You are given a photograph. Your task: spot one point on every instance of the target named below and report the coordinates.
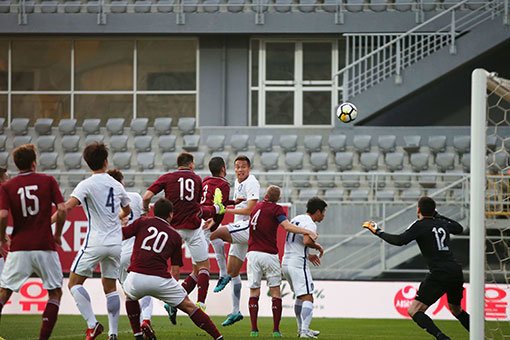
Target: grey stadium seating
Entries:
(71, 143)
(337, 143)
(67, 127)
(462, 144)
(466, 162)
(269, 160)
(306, 194)
(334, 194)
(46, 143)
(2, 123)
(378, 5)
(385, 195)
(42, 126)
(387, 143)
(72, 6)
(223, 154)
(122, 160)
(139, 126)
(19, 126)
(186, 125)
(325, 181)
(288, 143)
(300, 179)
(94, 138)
(235, 6)
(20, 140)
(169, 160)
(506, 145)
(412, 143)
(362, 143)
(492, 142)
(191, 142)
(239, 143)
(119, 143)
(145, 160)
(91, 126)
(264, 143)
(49, 6)
(143, 143)
(401, 181)
(419, 161)
(190, 6)
(5, 6)
(313, 143)
(359, 195)
(282, 6)
(437, 143)
(249, 154)
(142, 6)
(165, 6)
(427, 180)
(411, 195)
(445, 161)
(307, 6)
(166, 143)
(72, 161)
(497, 162)
(394, 161)
(3, 139)
(402, 5)
(48, 160)
(344, 160)
(199, 160)
(319, 161)
(350, 180)
(354, 5)
(294, 160)
(369, 161)
(215, 143)
(163, 126)
(4, 157)
(118, 6)
(115, 126)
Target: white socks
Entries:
(113, 307)
(82, 299)
(297, 310)
(236, 293)
(219, 249)
(306, 314)
(146, 306)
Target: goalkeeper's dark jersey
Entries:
(433, 238)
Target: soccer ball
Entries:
(346, 112)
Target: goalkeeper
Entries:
(432, 233)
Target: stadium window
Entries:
(103, 106)
(4, 62)
(161, 105)
(33, 106)
(316, 107)
(254, 108)
(103, 65)
(317, 61)
(280, 107)
(3, 106)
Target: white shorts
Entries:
(196, 243)
(263, 264)
(107, 256)
(21, 264)
(297, 273)
(139, 285)
(240, 233)
(125, 261)
(2, 261)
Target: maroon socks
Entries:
(49, 318)
(253, 306)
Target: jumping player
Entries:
(296, 264)
(155, 242)
(29, 197)
(263, 255)
(105, 201)
(432, 233)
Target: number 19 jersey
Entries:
(101, 197)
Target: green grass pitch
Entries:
(17, 327)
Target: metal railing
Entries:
(371, 58)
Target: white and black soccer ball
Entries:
(346, 112)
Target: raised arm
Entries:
(396, 240)
(453, 226)
(244, 211)
(291, 228)
(69, 205)
(124, 211)
(60, 219)
(147, 200)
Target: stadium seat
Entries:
(4, 158)
(411, 195)
(129, 180)
(163, 126)
(439, 197)
(334, 195)
(344, 160)
(385, 195)
(92, 6)
(191, 142)
(223, 154)
(331, 6)
(118, 6)
(506, 145)
(437, 143)
(48, 161)
(412, 143)
(369, 161)
(400, 180)
(427, 180)
(165, 6)
(403, 5)
(20, 140)
(2, 122)
(239, 143)
(300, 179)
(354, 5)
(139, 126)
(91, 126)
(282, 6)
(362, 143)
(49, 6)
(46, 143)
(235, 6)
(306, 194)
(169, 160)
(211, 6)
(497, 162)
(67, 127)
(462, 144)
(166, 143)
(359, 195)
(294, 160)
(325, 180)
(145, 160)
(187, 125)
(143, 143)
(215, 143)
(190, 6)
(122, 160)
(349, 179)
(259, 5)
(71, 143)
(288, 143)
(307, 6)
(466, 162)
(72, 161)
(272, 179)
(72, 6)
(378, 5)
(142, 6)
(419, 161)
(387, 143)
(319, 161)
(264, 143)
(337, 143)
(394, 161)
(43, 126)
(429, 5)
(19, 126)
(249, 154)
(94, 138)
(29, 6)
(492, 142)
(119, 143)
(269, 160)
(313, 143)
(5, 6)
(199, 160)
(3, 140)
(445, 161)
(115, 126)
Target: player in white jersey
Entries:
(246, 195)
(105, 201)
(3, 178)
(296, 264)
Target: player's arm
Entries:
(453, 226)
(4, 217)
(60, 219)
(307, 241)
(124, 211)
(147, 200)
(69, 206)
(291, 228)
(176, 272)
(394, 239)
(243, 211)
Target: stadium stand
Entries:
(43, 126)
(163, 126)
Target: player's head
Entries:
(163, 208)
(273, 193)
(117, 174)
(96, 156)
(316, 208)
(3, 174)
(186, 160)
(25, 157)
(426, 207)
(242, 167)
(217, 167)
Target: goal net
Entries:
(490, 207)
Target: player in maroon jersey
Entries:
(4, 177)
(209, 185)
(29, 197)
(156, 242)
(184, 189)
(263, 255)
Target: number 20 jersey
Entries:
(30, 196)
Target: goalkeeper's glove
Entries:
(372, 226)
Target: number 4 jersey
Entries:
(30, 196)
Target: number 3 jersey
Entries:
(30, 196)
(101, 197)
(156, 242)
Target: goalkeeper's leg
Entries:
(417, 313)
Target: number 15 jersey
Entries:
(101, 197)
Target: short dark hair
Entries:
(427, 206)
(243, 158)
(314, 204)
(117, 174)
(95, 155)
(273, 193)
(216, 164)
(163, 208)
(185, 159)
(24, 155)
(3, 170)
